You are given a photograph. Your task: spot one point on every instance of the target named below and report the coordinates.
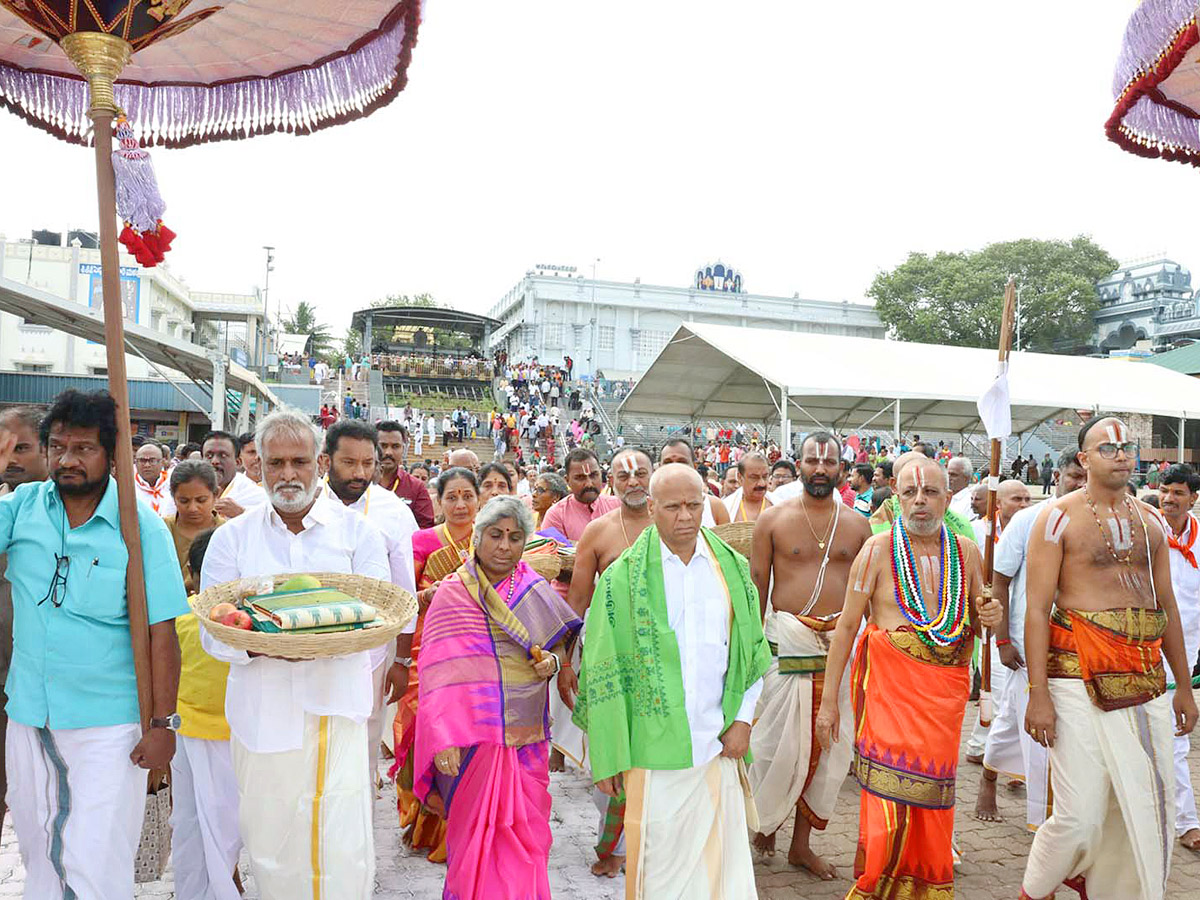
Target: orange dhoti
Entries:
(909, 701)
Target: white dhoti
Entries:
(1185, 799)
(306, 814)
(205, 837)
(977, 742)
(379, 713)
(1114, 800)
(790, 770)
(686, 831)
(565, 736)
(1012, 752)
(77, 806)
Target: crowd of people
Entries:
(722, 689)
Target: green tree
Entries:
(304, 321)
(957, 298)
(425, 300)
(352, 343)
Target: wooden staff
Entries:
(100, 58)
(989, 552)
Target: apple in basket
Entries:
(221, 610)
(239, 618)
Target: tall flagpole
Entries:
(989, 553)
(100, 59)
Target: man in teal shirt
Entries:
(75, 750)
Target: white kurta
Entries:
(205, 837)
(1009, 748)
(158, 495)
(1185, 582)
(244, 492)
(299, 736)
(395, 520)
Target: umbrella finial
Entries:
(99, 58)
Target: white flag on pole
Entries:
(995, 407)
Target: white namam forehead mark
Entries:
(826, 451)
(1056, 524)
(628, 464)
(1117, 433)
(919, 476)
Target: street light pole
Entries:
(592, 330)
(266, 328)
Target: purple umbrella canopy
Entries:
(212, 71)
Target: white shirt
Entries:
(733, 503)
(961, 503)
(1185, 581)
(1009, 560)
(244, 492)
(267, 699)
(396, 523)
(523, 488)
(698, 612)
(159, 496)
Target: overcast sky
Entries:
(810, 145)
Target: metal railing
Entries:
(433, 367)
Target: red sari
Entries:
(909, 701)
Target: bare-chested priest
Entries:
(605, 539)
(1101, 616)
(922, 585)
(801, 555)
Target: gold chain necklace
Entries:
(1104, 534)
(828, 531)
(624, 533)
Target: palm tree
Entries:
(305, 322)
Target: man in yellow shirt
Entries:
(206, 840)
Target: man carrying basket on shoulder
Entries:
(299, 727)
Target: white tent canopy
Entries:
(293, 343)
(725, 373)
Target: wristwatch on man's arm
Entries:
(171, 722)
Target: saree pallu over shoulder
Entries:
(909, 701)
(478, 685)
(1116, 652)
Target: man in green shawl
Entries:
(672, 670)
(882, 519)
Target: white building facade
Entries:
(153, 298)
(617, 328)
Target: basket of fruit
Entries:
(305, 616)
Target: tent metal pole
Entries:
(785, 422)
(1182, 423)
(896, 420)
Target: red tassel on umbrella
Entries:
(139, 204)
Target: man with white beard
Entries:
(299, 727)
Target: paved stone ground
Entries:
(991, 870)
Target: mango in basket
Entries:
(300, 583)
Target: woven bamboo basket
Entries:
(737, 535)
(548, 565)
(567, 560)
(394, 605)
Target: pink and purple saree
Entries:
(479, 693)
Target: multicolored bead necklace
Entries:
(947, 627)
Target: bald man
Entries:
(908, 713)
(462, 457)
(1011, 497)
(680, 451)
(672, 668)
(958, 471)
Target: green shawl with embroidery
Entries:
(631, 683)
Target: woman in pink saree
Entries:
(483, 736)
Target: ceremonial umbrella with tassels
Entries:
(185, 73)
(1157, 83)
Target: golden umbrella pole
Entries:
(100, 58)
(989, 553)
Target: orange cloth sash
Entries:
(1117, 653)
(909, 701)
